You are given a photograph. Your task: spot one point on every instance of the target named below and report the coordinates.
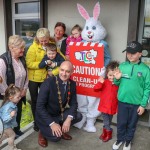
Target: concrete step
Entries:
(27, 131)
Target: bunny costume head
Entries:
(93, 30)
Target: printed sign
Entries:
(88, 63)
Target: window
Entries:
(144, 31)
(25, 16)
(27, 7)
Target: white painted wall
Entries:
(114, 17)
(2, 30)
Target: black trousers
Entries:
(19, 113)
(46, 130)
(127, 119)
(34, 89)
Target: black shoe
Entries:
(127, 145)
(36, 128)
(18, 133)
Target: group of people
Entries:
(41, 61)
(125, 91)
(46, 71)
(13, 71)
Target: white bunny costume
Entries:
(93, 32)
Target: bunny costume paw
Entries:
(89, 129)
(90, 125)
(80, 124)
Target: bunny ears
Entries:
(84, 13)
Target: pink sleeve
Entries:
(67, 48)
(68, 40)
(3, 85)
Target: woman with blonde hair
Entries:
(13, 71)
(37, 75)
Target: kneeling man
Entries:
(56, 108)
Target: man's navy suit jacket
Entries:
(48, 104)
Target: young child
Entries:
(133, 79)
(109, 102)
(8, 112)
(52, 60)
(74, 37)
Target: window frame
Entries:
(133, 24)
(24, 15)
(8, 16)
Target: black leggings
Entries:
(34, 89)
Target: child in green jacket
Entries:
(133, 79)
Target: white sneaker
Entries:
(127, 146)
(116, 145)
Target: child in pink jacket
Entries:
(74, 37)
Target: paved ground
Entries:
(87, 141)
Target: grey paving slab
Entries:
(87, 141)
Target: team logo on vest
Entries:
(139, 74)
(88, 57)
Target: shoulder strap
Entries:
(9, 68)
(22, 59)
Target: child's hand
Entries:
(53, 64)
(67, 57)
(101, 79)
(49, 62)
(117, 73)
(1, 80)
(13, 113)
(23, 92)
(140, 110)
